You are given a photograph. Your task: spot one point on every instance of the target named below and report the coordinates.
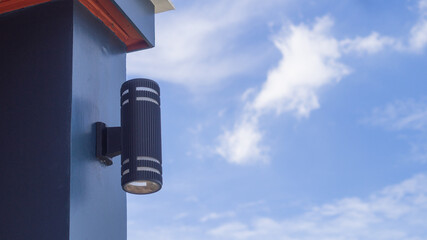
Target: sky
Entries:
(288, 120)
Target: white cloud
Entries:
(180, 216)
(216, 216)
(232, 230)
(397, 212)
(242, 145)
(418, 34)
(310, 61)
(401, 115)
(138, 232)
(419, 151)
(374, 43)
(371, 44)
(404, 115)
(200, 45)
(422, 5)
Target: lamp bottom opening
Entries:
(141, 187)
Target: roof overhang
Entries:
(12, 5)
(132, 21)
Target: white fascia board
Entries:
(162, 5)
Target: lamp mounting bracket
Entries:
(108, 142)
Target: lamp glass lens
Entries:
(141, 187)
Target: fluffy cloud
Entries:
(375, 42)
(200, 49)
(310, 61)
(422, 5)
(418, 34)
(242, 145)
(371, 44)
(216, 216)
(404, 115)
(397, 212)
(401, 115)
(199, 46)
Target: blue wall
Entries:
(97, 201)
(60, 71)
(35, 113)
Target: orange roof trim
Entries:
(12, 5)
(114, 19)
(105, 10)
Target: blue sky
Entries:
(288, 119)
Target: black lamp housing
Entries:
(138, 140)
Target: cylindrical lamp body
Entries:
(141, 136)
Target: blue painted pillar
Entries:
(61, 69)
(97, 201)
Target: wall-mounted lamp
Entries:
(138, 139)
